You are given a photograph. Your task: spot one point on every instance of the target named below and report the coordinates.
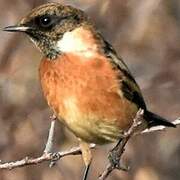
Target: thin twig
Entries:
(47, 154)
(159, 128)
(49, 144)
(44, 157)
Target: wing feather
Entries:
(128, 84)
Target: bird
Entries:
(85, 82)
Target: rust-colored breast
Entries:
(86, 95)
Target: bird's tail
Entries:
(156, 120)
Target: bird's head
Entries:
(46, 25)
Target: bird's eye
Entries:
(45, 21)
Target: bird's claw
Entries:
(114, 160)
(55, 158)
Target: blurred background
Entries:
(146, 34)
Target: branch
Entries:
(47, 155)
(160, 128)
(50, 141)
(44, 157)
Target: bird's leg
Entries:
(87, 157)
(116, 153)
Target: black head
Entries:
(46, 24)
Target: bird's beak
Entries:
(16, 28)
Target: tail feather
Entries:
(156, 120)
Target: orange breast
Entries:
(85, 94)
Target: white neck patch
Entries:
(78, 41)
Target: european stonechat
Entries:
(86, 84)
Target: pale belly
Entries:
(89, 126)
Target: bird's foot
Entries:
(114, 159)
(55, 158)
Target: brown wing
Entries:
(129, 86)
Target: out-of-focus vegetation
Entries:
(146, 33)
